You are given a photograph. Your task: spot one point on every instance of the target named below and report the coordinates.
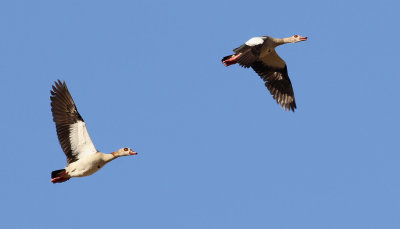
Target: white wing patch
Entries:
(81, 144)
(254, 41)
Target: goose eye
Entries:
(126, 149)
(295, 36)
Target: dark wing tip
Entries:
(290, 106)
(58, 87)
(62, 105)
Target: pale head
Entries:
(124, 152)
(297, 38)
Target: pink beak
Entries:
(303, 38)
(132, 153)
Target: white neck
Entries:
(281, 41)
(109, 157)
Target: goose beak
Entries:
(303, 38)
(132, 152)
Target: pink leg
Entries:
(62, 178)
(231, 60)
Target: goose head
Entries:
(124, 152)
(297, 38)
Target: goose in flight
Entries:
(82, 157)
(259, 53)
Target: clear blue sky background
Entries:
(215, 150)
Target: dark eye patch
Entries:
(126, 149)
(295, 36)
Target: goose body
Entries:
(83, 159)
(259, 54)
(88, 165)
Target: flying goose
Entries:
(82, 157)
(259, 53)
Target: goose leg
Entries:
(62, 178)
(231, 60)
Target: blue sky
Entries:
(215, 150)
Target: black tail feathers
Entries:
(226, 57)
(57, 173)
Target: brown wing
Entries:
(71, 129)
(278, 83)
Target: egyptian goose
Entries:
(259, 53)
(82, 157)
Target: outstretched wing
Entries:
(71, 129)
(278, 83)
